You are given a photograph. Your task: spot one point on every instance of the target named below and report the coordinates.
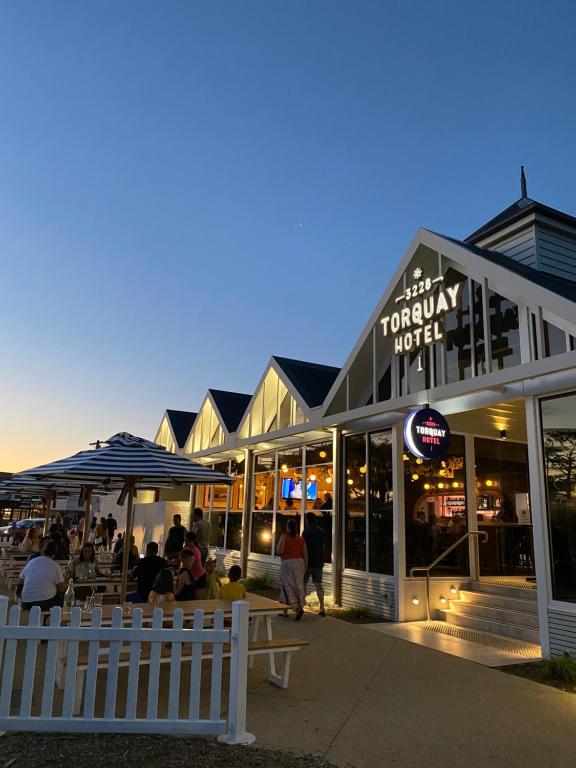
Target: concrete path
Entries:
(366, 699)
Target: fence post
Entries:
(3, 616)
(236, 731)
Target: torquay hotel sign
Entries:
(418, 324)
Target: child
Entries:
(233, 590)
(163, 588)
(213, 583)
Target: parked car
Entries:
(28, 523)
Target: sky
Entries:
(188, 188)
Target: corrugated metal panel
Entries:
(562, 628)
(374, 592)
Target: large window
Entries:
(435, 508)
(503, 508)
(368, 525)
(559, 437)
(222, 505)
(504, 331)
(458, 332)
(288, 483)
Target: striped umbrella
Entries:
(132, 462)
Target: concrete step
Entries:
(455, 618)
(507, 615)
(489, 588)
(499, 601)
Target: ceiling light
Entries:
(503, 434)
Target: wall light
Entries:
(453, 589)
(442, 601)
(329, 479)
(503, 434)
(415, 601)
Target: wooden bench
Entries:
(255, 648)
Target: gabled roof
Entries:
(312, 380)
(231, 407)
(522, 207)
(181, 423)
(564, 288)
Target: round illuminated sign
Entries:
(427, 434)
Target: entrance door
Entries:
(503, 508)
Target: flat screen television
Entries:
(292, 489)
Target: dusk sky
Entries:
(187, 188)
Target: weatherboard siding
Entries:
(557, 254)
(562, 629)
(521, 246)
(369, 590)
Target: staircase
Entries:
(495, 608)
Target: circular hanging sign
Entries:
(427, 434)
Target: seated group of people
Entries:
(160, 580)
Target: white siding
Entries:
(370, 590)
(557, 254)
(521, 246)
(562, 627)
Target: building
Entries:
(482, 332)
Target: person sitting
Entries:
(30, 542)
(146, 572)
(74, 540)
(41, 544)
(118, 544)
(198, 570)
(84, 566)
(42, 580)
(163, 587)
(213, 583)
(234, 590)
(185, 586)
(133, 556)
(60, 543)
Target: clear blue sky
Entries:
(189, 187)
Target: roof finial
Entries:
(523, 182)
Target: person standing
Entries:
(111, 526)
(146, 571)
(202, 528)
(175, 539)
(294, 556)
(314, 537)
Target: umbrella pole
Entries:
(87, 506)
(47, 505)
(127, 536)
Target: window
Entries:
(504, 331)
(218, 508)
(319, 484)
(435, 509)
(554, 340)
(222, 505)
(234, 525)
(290, 490)
(457, 329)
(369, 500)
(478, 327)
(264, 499)
(559, 438)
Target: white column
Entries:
(538, 511)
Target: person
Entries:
(41, 544)
(175, 539)
(294, 562)
(30, 542)
(213, 583)
(234, 590)
(118, 544)
(185, 585)
(111, 526)
(163, 587)
(101, 539)
(145, 573)
(314, 537)
(289, 506)
(202, 528)
(60, 543)
(85, 565)
(42, 580)
(74, 540)
(92, 529)
(133, 556)
(198, 570)
(327, 502)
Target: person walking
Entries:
(294, 562)
(202, 528)
(111, 526)
(314, 537)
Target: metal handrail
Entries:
(427, 568)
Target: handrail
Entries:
(427, 568)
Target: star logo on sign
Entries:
(417, 274)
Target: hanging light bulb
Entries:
(440, 485)
(350, 481)
(284, 467)
(419, 461)
(415, 476)
(427, 486)
(329, 479)
(312, 477)
(363, 470)
(322, 454)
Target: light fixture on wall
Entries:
(503, 434)
(453, 589)
(442, 601)
(329, 479)
(415, 601)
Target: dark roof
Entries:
(564, 288)
(231, 406)
(181, 422)
(313, 381)
(518, 210)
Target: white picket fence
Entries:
(49, 673)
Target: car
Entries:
(28, 523)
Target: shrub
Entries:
(562, 668)
(359, 612)
(259, 583)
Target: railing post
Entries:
(236, 732)
(3, 616)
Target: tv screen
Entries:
(292, 489)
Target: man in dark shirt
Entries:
(175, 539)
(314, 538)
(111, 526)
(147, 570)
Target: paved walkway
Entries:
(366, 699)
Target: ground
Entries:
(34, 750)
